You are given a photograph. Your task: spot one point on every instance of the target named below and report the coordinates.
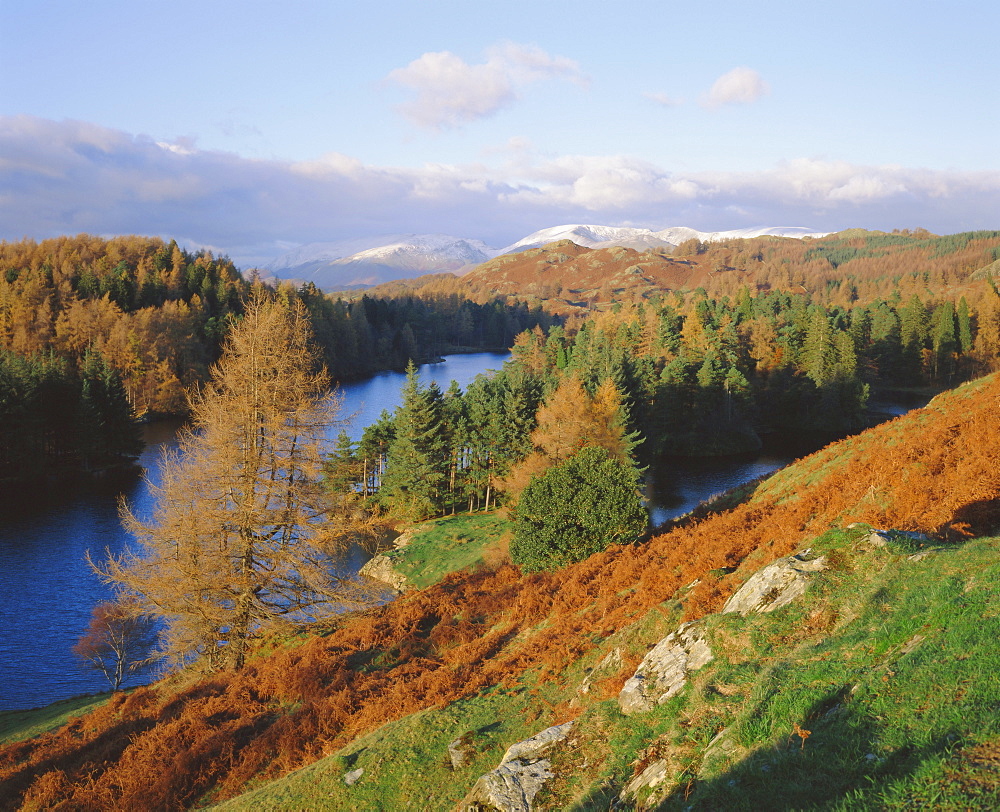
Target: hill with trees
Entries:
(497, 655)
(100, 331)
(555, 624)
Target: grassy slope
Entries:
(443, 546)
(18, 725)
(889, 665)
(502, 656)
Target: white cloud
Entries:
(69, 177)
(663, 99)
(740, 86)
(451, 92)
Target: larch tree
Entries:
(569, 420)
(241, 535)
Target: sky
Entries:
(250, 128)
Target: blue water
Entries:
(47, 589)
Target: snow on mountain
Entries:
(591, 236)
(371, 260)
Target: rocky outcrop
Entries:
(664, 670)
(381, 568)
(641, 790)
(513, 785)
(776, 584)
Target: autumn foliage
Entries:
(165, 746)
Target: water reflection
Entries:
(47, 590)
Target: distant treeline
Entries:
(687, 374)
(153, 317)
(700, 374)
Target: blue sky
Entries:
(252, 127)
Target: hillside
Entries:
(842, 269)
(501, 656)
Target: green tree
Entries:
(575, 509)
(416, 477)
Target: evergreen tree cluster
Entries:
(443, 451)
(55, 417)
(703, 375)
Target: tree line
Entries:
(685, 374)
(154, 316)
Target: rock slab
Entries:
(513, 785)
(776, 585)
(664, 670)
(380, 568)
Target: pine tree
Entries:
(415, 483)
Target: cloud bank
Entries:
(69, 177)
(450, 92)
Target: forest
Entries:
(253, 512)
(683, 375)
(121, 329)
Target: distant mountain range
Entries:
(374, 260)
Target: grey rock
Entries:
(653, 776)
(538, 745)
(513, 785)
(775, 585)
(720, 752)
(460, 751)
(664, 670)
(353, 776)
(380, 568)
(879, 538)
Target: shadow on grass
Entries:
(836, 763)
(834, 753)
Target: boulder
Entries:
(513, 785)
(776, 585)
(380, 568)
(664, 671)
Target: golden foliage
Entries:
(935, 470)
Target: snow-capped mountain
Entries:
(373, 260)
(591, 236)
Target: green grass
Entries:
(442, 546)
(406, 763)
(18, 725)
(888, 666)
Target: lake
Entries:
(47, 589)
